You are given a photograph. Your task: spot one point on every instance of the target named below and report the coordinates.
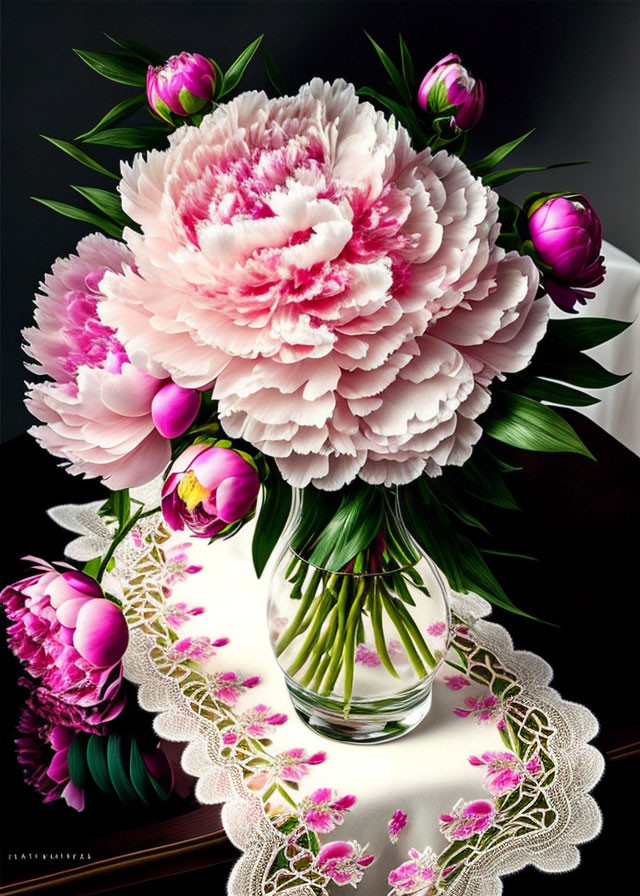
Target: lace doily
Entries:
(541, 822)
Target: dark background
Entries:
(570, 69)
(567, 68)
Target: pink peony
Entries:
(184, 84)
(323, 811)
(95, 405)
(70, 637)
(343, 293)
(455, 87)
(343, 863)
(467, 819)
(42, 750)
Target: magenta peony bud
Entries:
(567, 235)
(183, 85)
(101, 634)
(173, 410)
(208, 489)
(448, 84)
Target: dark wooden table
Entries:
(578, 517)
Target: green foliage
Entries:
(274, 74)
(140, 51)
(488, 163)
(398, 81)
(107, 202)
(118, 113)
(80, 156)
(117, 507)
(79, 214)
(525, 423)
(119, 67)
(276, 503)
(504, 177)
(149, 137)
(351, 529)
(234, 73)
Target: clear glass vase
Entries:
(359, 646)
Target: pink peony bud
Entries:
(567, 235)
(101, 634)
(183, 85)
(173, 410)
(449, 84)
(209, 489)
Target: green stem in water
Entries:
(322, 645)
(294, 626)
(310, 640)
(416, 634)
(336, 653)
(350, 647)
(390, 606)
(378, 631)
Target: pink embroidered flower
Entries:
(95, 405)
(436, 629)
(198, 648)
(178, 613)
(505, 771)
(227, 687)
(344, 863)
(344, 294)
(467, 819)
(293, 764)
(42, 751)
(179, 568)
(69, 636)
(396, 825)
(533, 766)
(417, 876)
(485, 709)
(396, 650)
(323, 811)
(257, 723)
(367, 656)
(456, 682)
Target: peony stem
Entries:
(350, 647)
(309, 641)
(336, 652)
(294, 626)
(416, 662)
(378, 632)
(321, 646)
(415, 632)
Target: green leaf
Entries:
(489, 162)
(91, 567)
(140, 51)
(139, 774)
(556, 393)
(353, 527)
(80, 156)
(527, 424)
(79, 214)
(274, 74)
(392, 71)
(107, 202)
(115, 66)
(118, 113)
(408, 72)
(131, 138)
(96, 754)
(77, 760)
(405, 116)
(580, 370)
(236, 70)
(117, 772)
(582, 333)
(271, 521)
(118, 507)
(504, 177)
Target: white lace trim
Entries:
(552, 846)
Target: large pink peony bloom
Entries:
(344, 292)
(96, 406)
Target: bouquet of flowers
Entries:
(315, 306)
